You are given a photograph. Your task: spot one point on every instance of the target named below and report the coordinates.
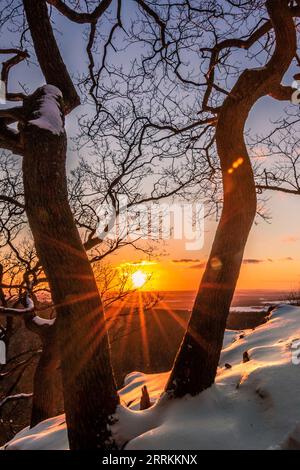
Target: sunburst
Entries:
(138, 278)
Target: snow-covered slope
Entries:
(253, 405)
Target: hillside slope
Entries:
(253, 405)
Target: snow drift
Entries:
(253, 404)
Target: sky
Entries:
(272, 256)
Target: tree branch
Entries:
(19, 396)
(48, 54)
(265, 187)
(18, 57)
(9, 139)
(282, 93)
(34, 323)
(11, 200)
(149, 11)
(81, 17)
(16, 312)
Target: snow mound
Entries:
(253, 404)
(48, 435)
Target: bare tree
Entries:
(90, 395)
(197, 361)
(45, 393)
(89, 391)
(204, 104)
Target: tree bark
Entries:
(90, 396)
(196, 363)
(46, 394)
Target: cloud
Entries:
(192, 263)
(253, 261)
(198, 266)
(268, 260)
(291, 239)
(185, 260)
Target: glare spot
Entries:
(238, 162)
(216, 263)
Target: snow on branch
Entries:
(14, 312)
(39, 321)
(19, 396)
(49, 114)
(33, 322)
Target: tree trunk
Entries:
(90, 396)
(9, 323)
(46, 390)
(196, 363)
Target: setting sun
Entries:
(138, 278)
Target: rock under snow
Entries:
(253, 405)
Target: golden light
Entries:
(138, 278)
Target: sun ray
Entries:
(112, 314)
(157, 320)
(128, 325)
(144, 332)
(183, 325)
(174, 315)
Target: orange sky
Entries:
(272, 257)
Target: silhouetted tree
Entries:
(197, 360)
(90, 395)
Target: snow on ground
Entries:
(48, 435)
(246, 309)
(253, 405)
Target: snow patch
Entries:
(48, 435)
(43, 321)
